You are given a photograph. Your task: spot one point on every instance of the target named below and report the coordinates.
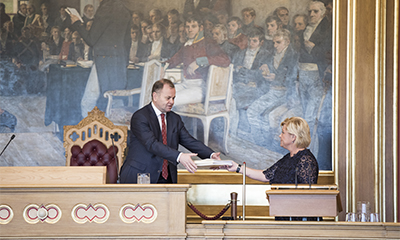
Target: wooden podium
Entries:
(318, 201)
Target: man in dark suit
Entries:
(147, 152)
(110, 38)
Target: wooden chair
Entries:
(90, 143)
(121, 115)
(216, 104)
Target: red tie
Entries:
(164, 139)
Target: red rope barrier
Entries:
(204, 216)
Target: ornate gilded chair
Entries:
(96, 141)
(121, 115)
(216, 104)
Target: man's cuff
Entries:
(212, 155)
(202, 62)
(177, 159)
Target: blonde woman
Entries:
(300, 162)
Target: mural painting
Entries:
(54, 68)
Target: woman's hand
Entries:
(231, 168)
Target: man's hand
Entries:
(187, 162)
(216, 156)
(74, 18)
(192, 68)
(309, 46)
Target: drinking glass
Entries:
(351, 217)
(374, 217)
(363, 217)
(143, 178)
(363, 207)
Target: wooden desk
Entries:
(108, 210)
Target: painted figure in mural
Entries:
(27, 51)
(220, 35)
(235, 33)
(197, 54)
(316, 43)
(33, 21)
(65, 45)
(110, 38)
(149, 152)
(173, 21)
(63, 20)
(134, 44)
(145, 25)
(76, 48)
(272, 25)
(248, 17)
(88, 13)
(174, 38)
(160, 47)
(196, 7)
(137, 17)
(300, 22)
(209, 22)
(3, 15)
(46, 19)
(223, 17)
(283, 14)
(280, 71)
(55, 42)
(8, 38)
(19, 19)
(248, 81)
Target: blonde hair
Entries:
(298, 127)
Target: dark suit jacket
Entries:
(146, 150)
(146, 52)
(322, 38)
(110, 39)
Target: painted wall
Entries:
(24, 94)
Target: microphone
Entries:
(295, 177)
(12, 137)
(115, 156)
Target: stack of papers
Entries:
(212, 163)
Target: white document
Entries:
(212, 163)
(72, 11)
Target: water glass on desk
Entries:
(374, 217)
(351, 217)
(143, 178)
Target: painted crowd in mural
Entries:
(282, 64)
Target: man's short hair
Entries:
(87, 6)
(22, 4)
(55, 27)
(298, 127)
(161, 27)
(237, 20)
(211, 18)
(173, 12)
(135, 27)
(273, 18)
(321, 6)
(279, 9)
(156, 11)
(250, 10)
(222, 29)
(304, 16)
(194, 18)
(284, 33)
(257, 32)
(140, 14)
(158, 85)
